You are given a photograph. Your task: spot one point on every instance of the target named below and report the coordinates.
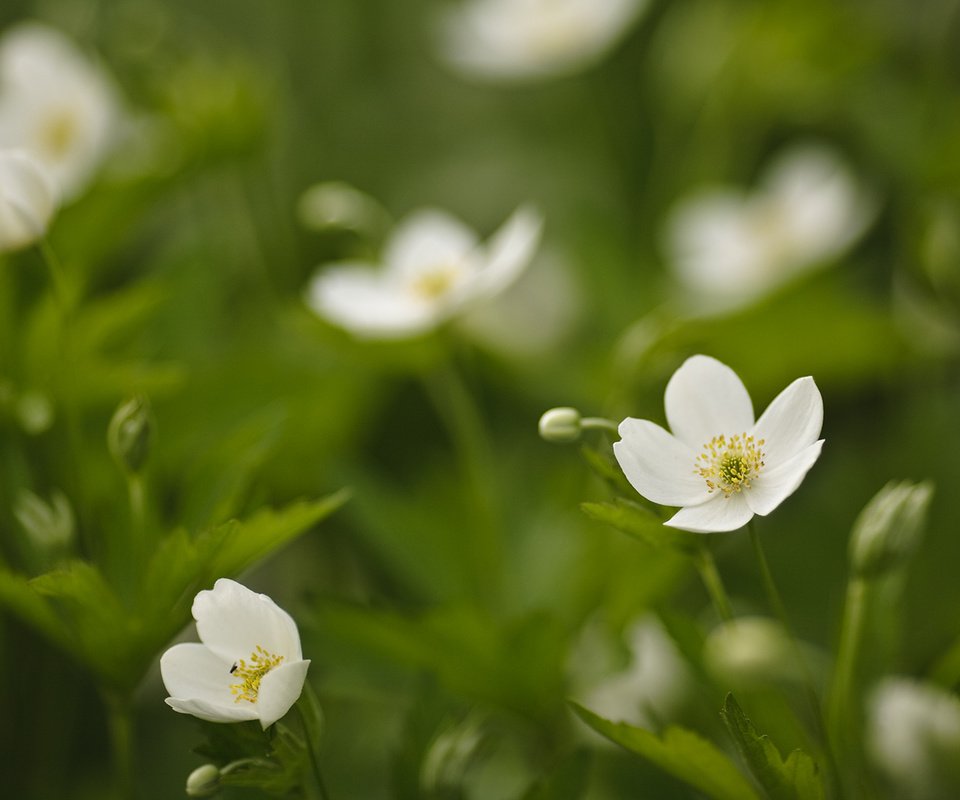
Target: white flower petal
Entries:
(705, 398)
(26, 200)
(279, 690)
(720, 513)
(775, 485)
(791, 422)
(659, 466)
(365, 302)
(425, 240)
(236, 712)
(192, 670)
(509, 251)
(233, 621)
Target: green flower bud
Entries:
(203, 781)
(129, 434)
(889, 528)
(560, 425)
(750, 652)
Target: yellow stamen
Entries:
(58, 133)
(436, 282)
(730, 464)
(250, 674)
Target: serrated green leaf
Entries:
(642, 524)
(796, 779)
(680, 752)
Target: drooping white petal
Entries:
(362, 300)
(279, 690)
(659, 466)
(425, 240)
(706, 398)
(211, 712)
(193, 670)
(720, 513)
(233, 621)
(791, 422)
(26, 200)
(776, 484)
(509, 251)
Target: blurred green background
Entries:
(189, 264)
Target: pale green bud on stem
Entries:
(129, 434)
(203, 781)
(889, 528)
(564, 425)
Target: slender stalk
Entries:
(844, 691)
(599, 424)
(120, 724)
(710, 576)
(310, 722)
(769, 585)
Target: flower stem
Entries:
(710, 576)
(844, 711)
(120, 724)
(769, 585)
(599, 424)
(308, 709)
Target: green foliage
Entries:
(642, 524)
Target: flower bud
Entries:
(129, 434)
(203, 781)
(336, 205)
(560, 425)
(751, 651)
(49, 525)
(889, 528)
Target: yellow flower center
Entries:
(435, 283)
(58, 133)
(730, 464)
(251, 673)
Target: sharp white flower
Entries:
(26, 200)
(433, 268)
(719, 464)
(248, 664)
(731, 247)
(56, 104)
(530, 39)
(913, 736)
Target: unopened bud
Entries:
(751, 651)
(335, 205)
(129, 433)
(49, 525)
(203, 781)
(560, 425)
(889, 528)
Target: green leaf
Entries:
(680, 752)
(642, 524)
(796, 779)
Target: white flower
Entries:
(730, 247)
(718, 464)
(249, 665)
(26, 200)
(56, 104)
(433, 268)
(529, 39)
(913, 736)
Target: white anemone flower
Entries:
(56, 104)
(248, 666)
(26, 200)
(531, 39)
(731, 247)
(717, 463)
(433, 268)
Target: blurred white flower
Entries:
(730, 247)
(56, 104)
(913, 737)
(249, 665)
(718, 464)
(433, 269)
(531, 39)
(26, 200)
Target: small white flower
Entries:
(56, 104)
(730, 247)
(913, 736)
(530, 39)
(718, 464)
(249, 665)
(26, 200)
(433, 268)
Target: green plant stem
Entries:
(710, 576)
(843, 713)
(599, 424)
(120, 724)
(310, 722)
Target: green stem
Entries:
(308, 709)
(769, 585)
(710, 576)
(843, 713)
(599, 424)
(120, 724)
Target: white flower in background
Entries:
(730, 247)
(56, 104)
(249, 665)
(718, 464)
(913, 737)
(433, 268)
(530, 39)
(26, 200)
